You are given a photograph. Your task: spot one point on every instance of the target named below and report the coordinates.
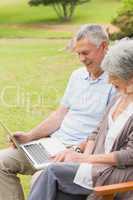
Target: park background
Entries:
(35, 63)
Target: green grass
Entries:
(16, 32)
(29, 69)
(16, 18)
(14, 11)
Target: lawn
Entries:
(14, 11)
(16, 18)
(31, 70)
(23, 32)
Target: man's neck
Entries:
(96, 74)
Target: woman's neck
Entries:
(127, 97)
(125, 100)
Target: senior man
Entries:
(81, 109)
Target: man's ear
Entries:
(104, 46)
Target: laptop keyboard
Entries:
(38, 152)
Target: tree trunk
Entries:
(65, 10)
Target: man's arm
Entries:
(50, 125)
(44, 129)
(53, 122)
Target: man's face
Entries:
(89, 54)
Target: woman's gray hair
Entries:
(119, 59)
(94, 33)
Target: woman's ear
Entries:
(129, 89)
(131, 81)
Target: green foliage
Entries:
(63, 8)
(128, 4)
(124, 21)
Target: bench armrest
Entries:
(111, 189)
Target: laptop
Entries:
(39, 151)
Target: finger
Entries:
(17, 135)
(59, 158)
(11, 144)
(70, 158)
(53, 157)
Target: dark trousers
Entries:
(66, 196)
(57, 184)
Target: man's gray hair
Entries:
(119, 59)
(94, 33)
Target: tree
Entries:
(128, 4)
(63, 8)
(124, 20)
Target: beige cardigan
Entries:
(123, 149)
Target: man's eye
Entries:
(84, 53)
(87, 52)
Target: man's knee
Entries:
(12, 161)
(5, 162)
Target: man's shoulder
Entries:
(80, 72)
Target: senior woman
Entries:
(107, 156)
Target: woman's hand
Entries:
(60, 157)
(76, 157)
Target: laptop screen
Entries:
(9, 133)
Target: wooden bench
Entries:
(108, 192)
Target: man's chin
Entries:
(88, 67)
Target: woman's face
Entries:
(120, 84)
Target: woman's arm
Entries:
(109, 158)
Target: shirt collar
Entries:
(103, 77)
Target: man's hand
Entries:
(21, 137)
(60, 157)
(76, 157)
